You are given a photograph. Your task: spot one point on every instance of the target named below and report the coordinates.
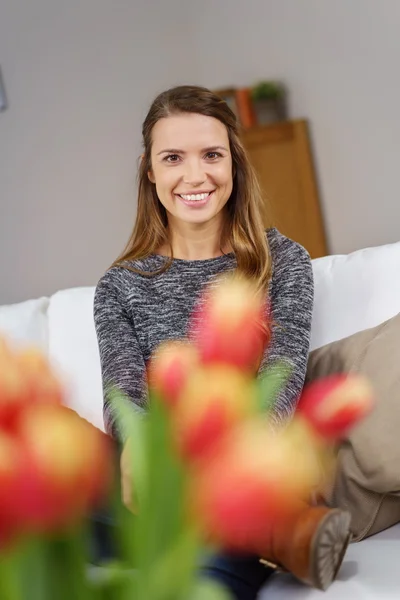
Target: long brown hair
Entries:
(243, 230)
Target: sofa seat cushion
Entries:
(369, 571)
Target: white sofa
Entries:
(352, 293)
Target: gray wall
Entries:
(340, 59)
(80, 75)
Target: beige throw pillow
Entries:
(367, 481)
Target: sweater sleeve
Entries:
(122, 362)
(291, 297)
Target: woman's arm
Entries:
(291, 297)
(122, 362)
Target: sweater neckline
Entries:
(197, 262)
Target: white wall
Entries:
(80, 75)
(340, 59)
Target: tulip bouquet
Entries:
(211, 470)
(54, 467)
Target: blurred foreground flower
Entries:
(207, 466)
(215, 399)
(170, 369)
(234, 325)
(245, 479)
(26, 380)
(251, 484)
(334, 405)
(54, 465)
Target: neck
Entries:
(196, 242)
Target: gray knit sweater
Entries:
(134, 313)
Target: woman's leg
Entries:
(102, 537)
(243, 576)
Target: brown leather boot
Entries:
(310, 545)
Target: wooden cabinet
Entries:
(281, 156)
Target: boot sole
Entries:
(328, 547)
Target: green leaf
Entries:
(66, 555)
(174, 572)
(164, 547)
(161, 518)
(32, 566)
(133, 425)
(113, 581)
(208, 590)
(270, 384)
(10, 576)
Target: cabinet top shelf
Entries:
(274, 132)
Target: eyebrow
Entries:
(177, 151)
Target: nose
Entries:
(194, 173)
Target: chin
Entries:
(197, 219)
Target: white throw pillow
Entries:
(355, 292)
(26, 322)
(73, 350)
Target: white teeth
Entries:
(193, 197)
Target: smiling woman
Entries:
(198, 196)
(193, 178)
(198, 218)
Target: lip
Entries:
(190, 192)
(196, 203)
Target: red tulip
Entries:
(170, 368)
(232, 325)
(26, 379)
(44, 387)
(214, 400)
(65, 468)
(11, 464)
(335, 404)
(253, 482)
(13, 392)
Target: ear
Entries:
(150, 173)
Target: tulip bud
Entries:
(14, 392)
(25, 379)
(252, 484)
(231, 326)
(170, 368)
(66, 468)
(334, 405)
(10, 473)
(214, 400)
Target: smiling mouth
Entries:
(196, 197)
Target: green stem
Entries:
(67, 557)
(9, 577)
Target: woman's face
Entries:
(191, 167)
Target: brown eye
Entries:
(213, 155)
(171, 158)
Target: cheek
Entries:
(165, 179)
(223, 175)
